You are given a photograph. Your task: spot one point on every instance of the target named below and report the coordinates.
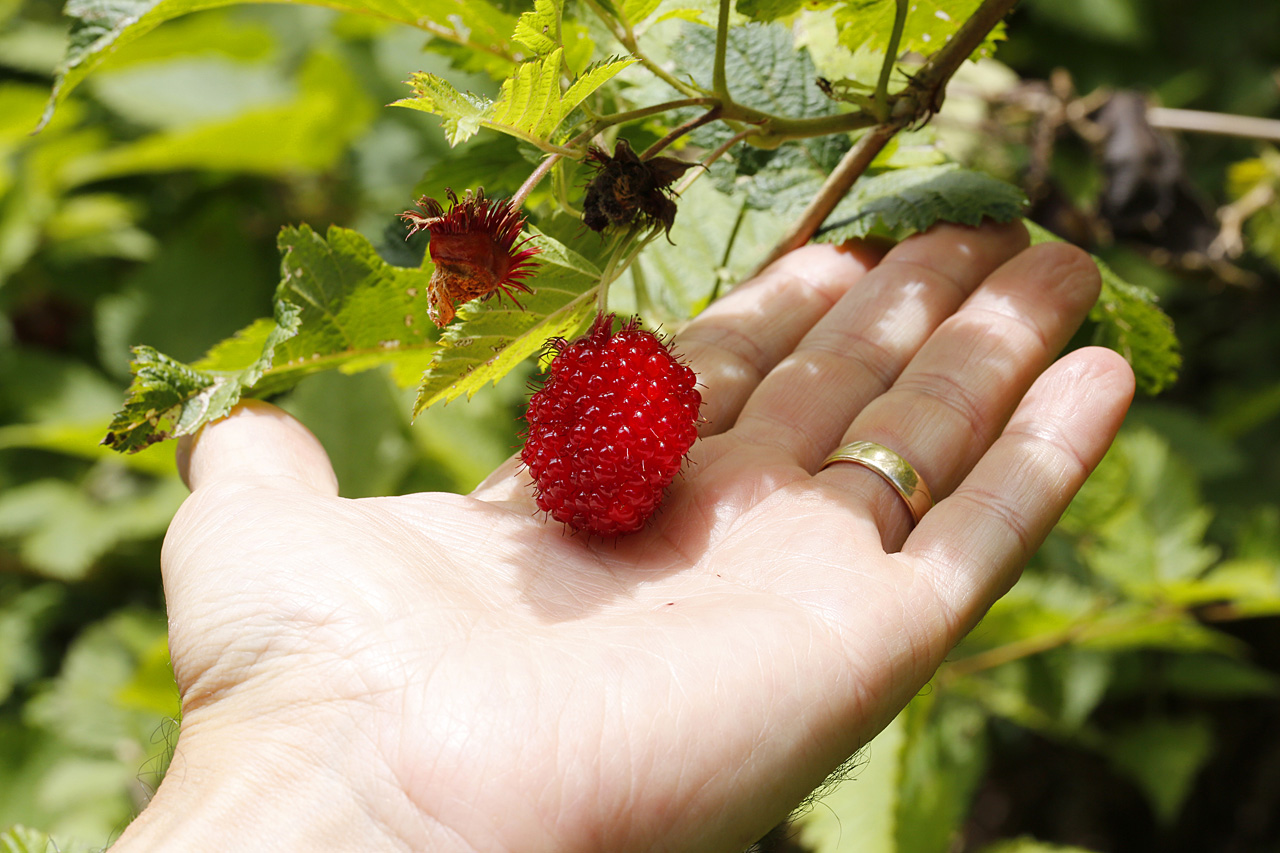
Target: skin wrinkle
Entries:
(942, 606)
(991, 504)
(904, 270)
(1051, 434)
(865, 351)
(934, 389)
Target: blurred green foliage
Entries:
(148, 210)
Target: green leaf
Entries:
(100, 27)
(461, 114)
(905, 201)
(773, 75)
(1031, 845)
(24, 613)
(1217, 677)
(166, 399)
(22, 839)
(635, 11)
(1130, 322)
(152, 688)
(85, 750)
(1163, 756)
(1130, 627)
(486, 343)
(62, 528)
(539, 30)
(529, 103)
(764, 69)
(854, 811)
(338, 306)
(590, 80)
(308, 135)
(529, 107)
(930, 24)
(769, 10)
(941, 767)
(82, 705)
(1252, 586)
(83, 440)
(1156, 538)
(908, 790)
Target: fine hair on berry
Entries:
(476, 249)
(610, 427)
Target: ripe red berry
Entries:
(610, 427)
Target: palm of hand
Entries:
(468, 672)
(391, 621)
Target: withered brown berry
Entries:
(626, 189)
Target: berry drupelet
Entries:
(610, 427)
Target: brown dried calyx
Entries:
(627, 189)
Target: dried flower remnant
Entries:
(627, 188)
(476, 248)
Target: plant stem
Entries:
(881, 96)
(940, 66)
(610, 272)
(693, 175)
(628, 40)
(721, 272)
(719, 84)
(919, 100)
(710, 115)
(534, 179)
(633, 115)
(1198, 121)
(851, 166)
(1088, 628)
(768, 126)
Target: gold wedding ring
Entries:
(896, 470)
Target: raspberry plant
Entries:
(127, 216)
(757, 103)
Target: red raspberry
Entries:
(610, 427)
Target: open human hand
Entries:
(441, 672)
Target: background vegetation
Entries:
(1122, 698)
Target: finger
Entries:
(257, 443)
(859, 347)
(973, 545)
(957, 393)
(740, 337)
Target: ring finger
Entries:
(956, 394)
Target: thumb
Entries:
(256, 442)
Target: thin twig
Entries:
(709, 116)
(1225, 124)
(719, 83)
(628, 40)
(1230, 240)
(940, 66)
(705, 163)
(918, 101)
(881, 97)
(851, 166)
(534, 179)
(610, 120)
